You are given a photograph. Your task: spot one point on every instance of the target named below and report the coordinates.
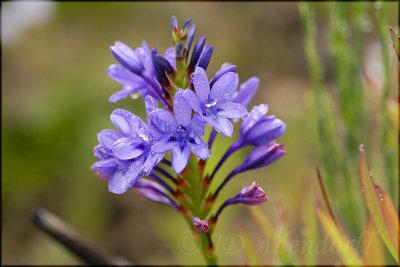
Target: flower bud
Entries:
(127, 57)
(197, 50)
(164, 64)
(259, 130)
(262, 156)
(180, 49)
(190, 37)
(159, 70)
(250, 195)
(206, 57)
(186, 25)
(174, 23)
(201, 226)
(154, 192)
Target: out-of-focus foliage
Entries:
(54, 102)
(337, 135)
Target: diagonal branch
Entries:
(63, 233)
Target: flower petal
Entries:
(108, 137)
(246, 91)
(154, 191)
(225, 68)
(122, 120)
(101, 152)
(182, 109)
(163, 145)
(231, 110)
(200, 149)
(126, 91)
(253, 117)
(170, 56)
(105, 168)
(225, 86)
(125, 179)
(164, 120)
(122, 75)
(193, 100)
(265, 130)
(262, 156)
(151, 161)
(201, 85)
(126, 148)
(180, 158)
(127, 57)
(150, 103)
(118, 184)
(144, 55)
(197, 125)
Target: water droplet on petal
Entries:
(211, 104)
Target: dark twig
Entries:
(73, 241)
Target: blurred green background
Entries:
(55, 100)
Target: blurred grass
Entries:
(55, 91)
(337, 154)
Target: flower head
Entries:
(135, 72)
(179, 132)
(124, 155)
(214, 105)
(190, 100)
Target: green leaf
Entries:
(380, 207)
(372, 247)
(277, 234)
(346, 250)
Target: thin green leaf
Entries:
(372, 246)
(379, 208)
(277, 235)
(346, 250)
(311, 227)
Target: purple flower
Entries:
(262, 156)
(201, 226)
(135, 72)
(180, 133)
(214, 105)
(154, 192)
(258, 130)
(250, 195)
(124, 155)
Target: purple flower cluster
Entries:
(136, 153)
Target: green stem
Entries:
(207, 249)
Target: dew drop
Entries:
(135, 95)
